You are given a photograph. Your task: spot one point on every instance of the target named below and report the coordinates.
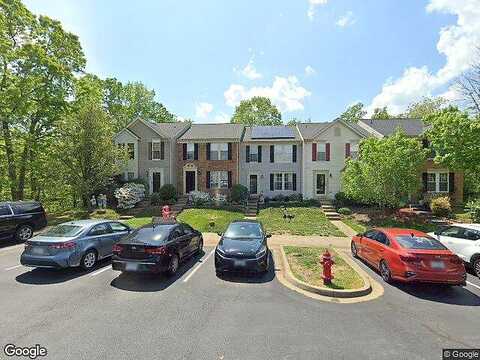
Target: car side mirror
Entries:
(437, 232)
(220, 234)
(359, 235)
(268, 236)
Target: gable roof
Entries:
(309, 130)
(386, 127)
(213, 131)
(130, 132)
(265, 130)
(170, 130)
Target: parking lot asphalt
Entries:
(196, 315)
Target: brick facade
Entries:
(203, 165)
(457, 195)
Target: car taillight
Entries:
(117, 249)
(456, 260)
(161, 250)
(410, 259)
(62, 246)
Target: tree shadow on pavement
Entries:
(251, 278)
(43, 276)
(144, 282)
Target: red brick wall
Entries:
(203, 165)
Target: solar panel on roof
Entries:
(272, 132)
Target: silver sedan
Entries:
(74, 243)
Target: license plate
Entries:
(131, 266)
(37, 251)
(437, 265)
(239, 262)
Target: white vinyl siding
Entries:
(283, 153)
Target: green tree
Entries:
(386, 172)
(257, 111)
(423, 108)
(381, 113)
(354, 113)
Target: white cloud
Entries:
(249, 71)
(203, 109)
(458, 43)
(312, 7)
(286, 93)
(310, 71)
(346, 20)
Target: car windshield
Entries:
(63, 231)
(419, 242)
(149, 234)
(244, 230)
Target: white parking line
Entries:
(13, 267)
(198, 266)
(471, 284)
(101, 271)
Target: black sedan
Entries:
(156, 248)
(243, 248)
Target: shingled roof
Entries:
(309, 130)
(213, 132)
(265, 129)
(386, 127)
(171, 130)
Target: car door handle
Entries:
(381, 250)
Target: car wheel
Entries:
(173, 266)
(354, 250)
(476, 266)
(89, 259)
(23, 233)
(200, 246)
(385, 272)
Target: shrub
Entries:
(295, 197)
(239, 193)
(138, 181)
(474, 207)
(129, 195)
(280, 198)
(200, 198)
(440, 206)
(155, 199)
(344, 211)
(108, 214)
(168, 193)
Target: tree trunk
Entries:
(26, 159)
(12, 172)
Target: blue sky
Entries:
(313, 58)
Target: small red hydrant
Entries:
(166, 212)
(327, 263)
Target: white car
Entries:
(463, 240)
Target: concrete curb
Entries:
(333, 293)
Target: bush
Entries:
(138, 181)
(155, 199)
(440, 206)
(108, 214)
(239, 193)
(168, 193)
(295, 197)
(280, 198)
(129, 195)
(474, 208)
(200, 198)
(344, 211)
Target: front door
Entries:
(189, 181)
(253, 184)
(157, 182)
(320, 185)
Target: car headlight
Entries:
(261, 252)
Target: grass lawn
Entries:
(361, 226)
(307, 221)
(305, 265)
(199, 219)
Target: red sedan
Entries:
(409, 256)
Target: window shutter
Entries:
(208, 180)
(314, 152)
(294, 179)
(272, 153)
(247, 153)
(184, 151)
(271, 182)
(347, 150)
(229, 179)
(259, 153)
(451, 182)
(424, 181)
(162, 150)
(208, 151)
(195, 151)
(149, 151)
(294, 153)
(229, 151)
(327, 152)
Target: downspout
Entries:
(303, 159)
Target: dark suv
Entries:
(19, 219)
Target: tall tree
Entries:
(423, 108)
(354, 113)
(469, 86)
(257, 111)
(381, 113)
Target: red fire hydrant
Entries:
(327, 263)
(166, 212)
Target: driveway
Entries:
(197, 315)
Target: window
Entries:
(117, 227)
(278, 185)
(437, 182)
(382, 238)
(283, 181)
(283, 153)
(131, 151)
(219, 151)
(178, 232)
(190, 151)
(219, 180)
(254, 153)
(470, 234)
(371, 234)
(420, 242)
(5, 210)
(353, 150)
(321, 152)
(100, 229)
(288, 181)
(156, 150)
(130, 175)
(63, 231)
(453, 231)
(187, 229)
